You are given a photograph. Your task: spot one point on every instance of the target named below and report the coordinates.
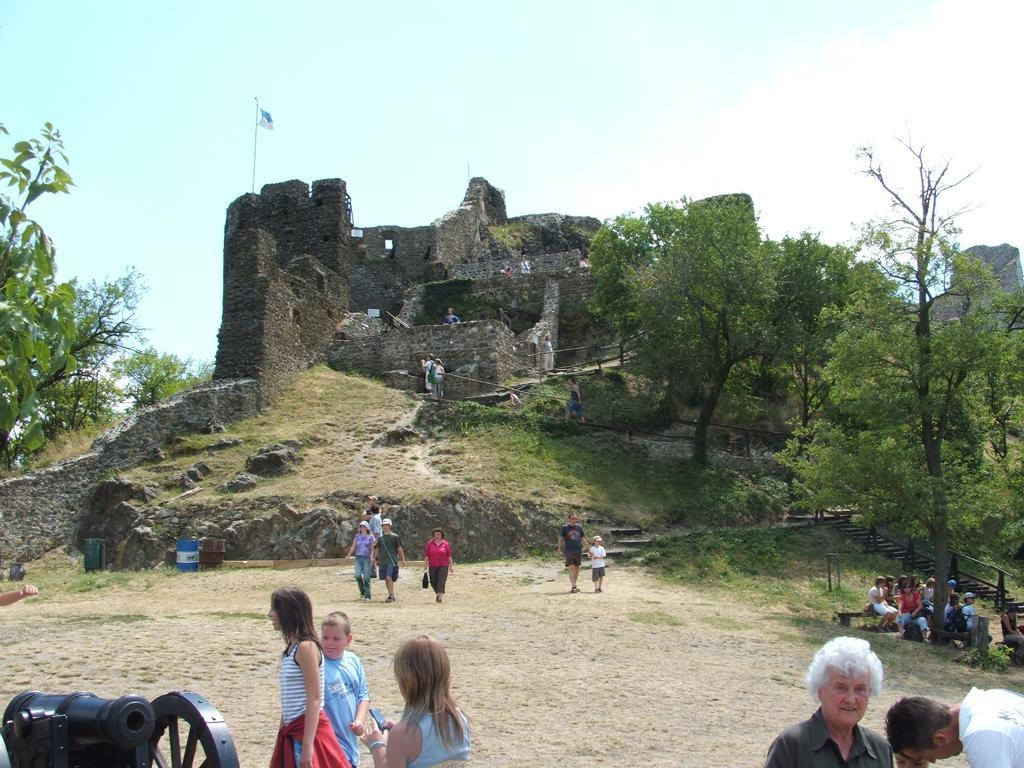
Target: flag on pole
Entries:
(266, 121)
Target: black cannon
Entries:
(81, 730)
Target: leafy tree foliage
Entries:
(905, 436)
(699, 282)
(150, 376)
(105, 330)
(37, 325)
(814, 282)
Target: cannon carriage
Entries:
(81, 730)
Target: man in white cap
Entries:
(970, 610)
(388, 555)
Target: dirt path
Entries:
(644, 674)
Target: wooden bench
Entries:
(843, 617)
(978, 637)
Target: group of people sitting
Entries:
(914, 606)
(914, 603)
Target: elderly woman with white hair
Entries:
(843, 675)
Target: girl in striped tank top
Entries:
(305, 739)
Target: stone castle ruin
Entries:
(303, 284)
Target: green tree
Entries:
(105, 329)
(150, 376)
(815, 281)
(36, 312)
(902, 440)
(698, 280)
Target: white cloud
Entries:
(952, 81)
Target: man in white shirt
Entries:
(987, 726)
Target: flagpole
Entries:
(255, 134)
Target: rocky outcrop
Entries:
(480, 526)
(40, 510)
(1005, 263)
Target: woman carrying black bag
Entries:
(438, 555)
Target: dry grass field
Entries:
(644, 674)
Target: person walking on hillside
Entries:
(438, 379)
(388, 553)
(575, 404)
(547, 353)
(571, 541)
(428, 373)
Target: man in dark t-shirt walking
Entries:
(571, 543)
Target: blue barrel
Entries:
(188, 554)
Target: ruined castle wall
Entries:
(542, 264)
(39, 510)
(379, 276)
(480, 350)
(459, 232)
(286, 261)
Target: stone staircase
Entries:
(623, 542)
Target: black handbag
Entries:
(426, 580)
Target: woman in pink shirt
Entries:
(438, 554)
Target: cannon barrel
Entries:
(125, 722)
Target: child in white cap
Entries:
(597, 556)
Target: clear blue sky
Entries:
(577, 107)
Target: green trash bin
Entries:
(95, 554)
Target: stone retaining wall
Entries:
(476, 355)
(541, 264)
(39, 510)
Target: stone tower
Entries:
(286, 290)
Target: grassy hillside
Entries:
(531, 454)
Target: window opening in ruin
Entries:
(321, 283)
(389, 244)
(295, 315)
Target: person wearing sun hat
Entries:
(362, 548)
(597, 555)
(970, 610)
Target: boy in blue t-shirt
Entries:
(346, 699)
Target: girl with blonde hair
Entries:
(433, 731)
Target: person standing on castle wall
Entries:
(526, 266)
(438, 380)
(547, 353)
(451, 318)
(428, 373)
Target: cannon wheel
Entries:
(5, 759)
(190, 733)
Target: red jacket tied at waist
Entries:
(326, 749)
